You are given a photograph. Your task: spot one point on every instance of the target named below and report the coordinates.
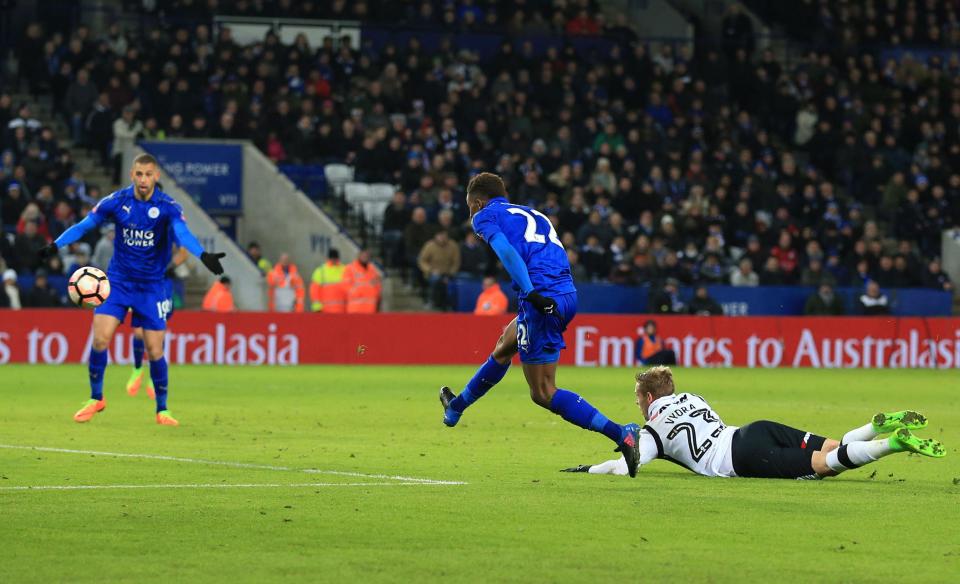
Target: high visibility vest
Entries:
(285, 290)
(218, 299)
(362, 288)
(651, 346)
(491, 302)
(326, 288)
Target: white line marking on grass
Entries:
(234, 464)
(26, 488)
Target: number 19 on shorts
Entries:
(163, 309)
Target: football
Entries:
(88, 287)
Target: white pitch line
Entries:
(233, 464)
(26, 488)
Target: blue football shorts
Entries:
(149, 303)
(540, 336)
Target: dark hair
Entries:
(333, 254)
(146, 159)
(486, 185)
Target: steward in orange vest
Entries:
(285, 287)
(492, 301)
(362, 283)
(650, 350)
(219, 298)
(327, 293)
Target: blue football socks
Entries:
(489, 374)
(137, 353)
(158, 373)
(576, 410)
(97, 365)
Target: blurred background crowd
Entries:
(656, 163)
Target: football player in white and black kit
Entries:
(684, 429)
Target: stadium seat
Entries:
(382, 191)
(338, 175)
(356, 192)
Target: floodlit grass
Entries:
(516, 519)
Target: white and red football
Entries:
(88, 287)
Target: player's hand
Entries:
(542, 303)
(581, 468)
(212, 261)
(48, 251)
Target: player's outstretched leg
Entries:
(136, 376)
(489, 374)
(96, 366)
(857, 454)
(884, 423)
(158, 373)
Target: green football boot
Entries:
(903, 441)
(909, 419)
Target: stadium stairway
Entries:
(88, 163)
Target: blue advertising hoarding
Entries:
(210, 172)
(736, 301)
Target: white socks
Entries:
(856, 454)
(859, 434)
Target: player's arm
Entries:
(648, 451)
(486, 227)
(187, 240)
(93, 220)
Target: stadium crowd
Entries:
(653, 162)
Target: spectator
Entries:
(42, 295)
(873, 302)
(577, 270)
(126, 130)
(814, 274)
(103, 251)
(491, 301)
(256, 256)
(27, 246)
(99, 129)
(362, 282)
(667, 300)
(417, 233)
(771, 274)
(703, 305)
(285, 287)
(650, 349)
(219, 297)
(737, 30)
(14, 203)
(77, 103)
(936, 278)
(474, 260)
(396, 217)
(824, 302)
(744, 274)
(11, 291)
(439, 261)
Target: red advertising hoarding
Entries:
(63, 336)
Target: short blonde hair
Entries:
(656, 380)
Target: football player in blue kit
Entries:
(145, 218)
(528, 246)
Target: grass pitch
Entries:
(195, 516)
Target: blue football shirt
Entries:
(144, 233)
(531, 233)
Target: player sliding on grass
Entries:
(527, 244)
(682, 428)
(146, 219)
